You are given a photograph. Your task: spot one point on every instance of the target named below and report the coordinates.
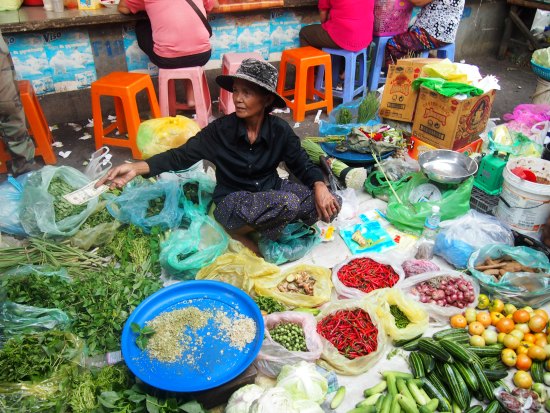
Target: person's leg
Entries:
(13, 129)
(411, 42)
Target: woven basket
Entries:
(391, 17)
(540, 71)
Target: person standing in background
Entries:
(13, 128)
(174, 36)
(435, 26)
(345, 24)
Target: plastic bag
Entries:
(37, 211)
(518, 400)
(417, 315)
(273, 356)
(186, 251)
(410, 217)
(391, 258)
(322, 288)
(374, 237)
(414, 267)
(439, 314)
(332, 127)
(239, 267)
(296, 241)
(519, 288)
(331, 359)
(134, 202)
(377, 185)
(97, 235)
(11, 193)
(460, 237)
(160, 134)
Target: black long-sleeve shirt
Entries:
(241, 166)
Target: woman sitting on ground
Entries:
(246, 147)
(435, 26)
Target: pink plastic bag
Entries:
(526, 116)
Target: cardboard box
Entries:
(399, 99)
(415, 147)
(449, 123)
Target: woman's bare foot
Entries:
(248, 243)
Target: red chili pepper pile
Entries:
(366, 275)
(350, 331)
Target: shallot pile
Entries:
(445, 291)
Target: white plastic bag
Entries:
(273, 356)
(440, 314)
(391, 258)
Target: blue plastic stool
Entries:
(352, 85)
(377, 62)
(445, 52)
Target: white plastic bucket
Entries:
(542, 92)
(525, 205)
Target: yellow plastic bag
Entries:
(268, 286)
(417, 316)
(239, 267)
(159, 135)
(447, 70)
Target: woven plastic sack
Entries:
(332, 127)
(295, 242)
(437, 313)
(391, 258)
(186, 251)
(37, 212)
(408, 216)
(331, 359)
(11, 193)
(133, 204)
(268, 286)
(273, 356)
(160, 134)
(519, 288)
(418, 317)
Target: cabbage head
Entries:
(303, 382)
(242, 399)
(274, 400)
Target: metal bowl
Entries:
(446, 167)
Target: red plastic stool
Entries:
(167, 93)
(37, 125)
(123, 87)
(230, 64)
(305, 59)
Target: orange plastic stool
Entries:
(305, 59)
(37, 125)
(123, 87)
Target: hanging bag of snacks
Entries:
(362, 274)
(290, 337)
(353, 338)
(402, 317)
(442, 293)
(300, 286)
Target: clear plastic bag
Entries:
(440, 314)
(98, 235)
(331, 359)
(460, 237)
(391, 258)
(332, 127)
(519, 400)
(295, 242)
(322, 288)
(519, 288)
(37, 211)
(11, 193)
(273, 356)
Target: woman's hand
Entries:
(326, 204)
(122, 174)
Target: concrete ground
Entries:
(75, 141)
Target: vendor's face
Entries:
(250, 100)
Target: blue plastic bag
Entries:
(11, 193)
(296, 241)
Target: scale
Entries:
(427, 192)
(489, 177)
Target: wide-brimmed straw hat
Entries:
(258, 72)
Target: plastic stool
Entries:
(445, 52)
(123, 87)
(230, 64)
(37, 125)
(378, 62)
(167, 92)
(305, 59)
(352, 86)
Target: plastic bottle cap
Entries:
(435, 209)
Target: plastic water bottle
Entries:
(425, 244)
(103, 360)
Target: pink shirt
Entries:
(350, 22)
(177, 30)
